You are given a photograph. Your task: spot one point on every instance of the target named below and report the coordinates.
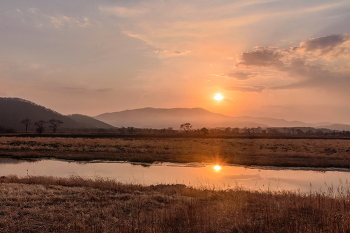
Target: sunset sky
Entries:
(281, 59)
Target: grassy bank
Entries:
(44, 204)
(272, 152)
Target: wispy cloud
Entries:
(238, 75)
(257, 89)
(168, 53)
(63, 20)
(80, 89)
(123, 12)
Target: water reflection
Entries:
(194, 174)
(13, 161)
(141, 164)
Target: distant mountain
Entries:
(340, 127)
(14, 110)
(162, 118)
(89, 122)
(272, 122)
(198, 117)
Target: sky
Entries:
(280, 59)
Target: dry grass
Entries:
(44, 204)
(278, 152)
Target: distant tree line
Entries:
(187, 129)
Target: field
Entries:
(274, 152)
(75, 204)
(44, 204)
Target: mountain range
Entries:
(14, 110)
(162, 118)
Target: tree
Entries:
(205, 131)
(186, 127)
(40, 126)
(26, 122)
(122, 130)
(130, 130)
(54, 124)
(235, 130)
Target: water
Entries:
(194, 174)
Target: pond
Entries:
(192, 174)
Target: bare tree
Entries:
(54, 124)
(186, 127)
(26, 122)
(40, 126)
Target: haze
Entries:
(281, 59)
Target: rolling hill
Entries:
(89, 122)
(14, 110)
(162, 118)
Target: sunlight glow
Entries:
(217, 167)
(218, 97)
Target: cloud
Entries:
(63, 20)
(169, 53)
(257, 89)
(122, 12)
(323, 44)
(309, 65)
(84, 89)
(261, 57)
(240, 75)
(236, 75)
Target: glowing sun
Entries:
(218, 97)
(217, 167)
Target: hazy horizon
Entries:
(153, 108)
(279, 59)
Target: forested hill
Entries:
(89, 122)
(14, 110)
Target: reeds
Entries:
(46, 204)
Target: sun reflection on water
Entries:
(217, 167)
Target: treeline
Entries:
(228, 131)
(185, 129)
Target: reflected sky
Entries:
(197, 174)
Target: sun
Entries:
(217, 167)
(218, 97)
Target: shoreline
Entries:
(188, 164)
(317, 153)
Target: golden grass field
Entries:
(46, 204)
(274, 152)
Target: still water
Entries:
(193, 174)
